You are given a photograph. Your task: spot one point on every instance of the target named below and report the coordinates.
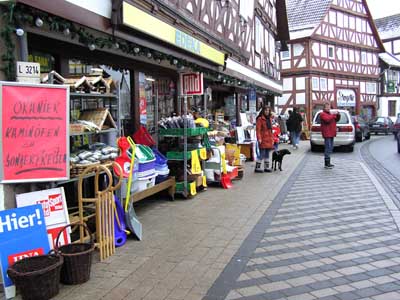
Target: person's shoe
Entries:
(266, 167)
(328, 164)
(258, 168)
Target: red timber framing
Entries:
(341, 53)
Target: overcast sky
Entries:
(383, 8)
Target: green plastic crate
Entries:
(179, 131)
(177, 155)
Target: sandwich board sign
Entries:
(22, 234)
(54, 209)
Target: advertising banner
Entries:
(34, 132)
(22, 234)
(54, 209)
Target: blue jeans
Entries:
(264, 154)
(328, 147)
(295, 135)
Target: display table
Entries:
(247, 149)
(168, 184)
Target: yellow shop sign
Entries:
(144, 22)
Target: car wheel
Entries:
(368, 136)
(386, 132)
(350, 148)
(359, 138)
(313, 148)
(376, 133)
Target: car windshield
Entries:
(343, 118)
(379, 120)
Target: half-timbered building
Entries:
(389, 97)
(332, 56)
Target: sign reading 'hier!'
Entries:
(34, 132)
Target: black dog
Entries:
(277, 157)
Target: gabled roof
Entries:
(389, 59)
(388, 27)
(305, 15)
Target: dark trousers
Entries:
(328, 147)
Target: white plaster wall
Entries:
(100, 7)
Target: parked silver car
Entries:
(345, 132)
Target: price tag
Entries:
(193, 190)
(196, 167)
(203, 153)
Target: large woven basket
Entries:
(37, 277)
(77, 259)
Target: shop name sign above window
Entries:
(137, 19)
(184, 40)
(346, 97)
(192, 84)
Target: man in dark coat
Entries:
(328, 131)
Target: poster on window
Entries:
(34, 132)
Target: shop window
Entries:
(392, 108)
(258, 35)
(331, 52)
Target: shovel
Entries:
(123, 160)
(225, 180)
(131, 219)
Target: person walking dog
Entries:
(328, 131)
(265, 138)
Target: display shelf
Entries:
(92, 95)
(179, 155)
(75, 179)
(94, 132)
(180, 131)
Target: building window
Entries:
(315, 84)
(371, 88)
(258, 35)
(392, 108)
(363, 58)
(285, 54)
(331, 52)
(323, 84)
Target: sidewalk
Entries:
(187, 243)
(329, 235)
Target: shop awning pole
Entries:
(185, 156)
(156, 113)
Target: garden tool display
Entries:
(123, 160)
(131, 219)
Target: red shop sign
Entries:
(192, 84)
(34, 132)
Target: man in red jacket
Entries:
(328, 130)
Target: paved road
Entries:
(329, 234)
(384, 150)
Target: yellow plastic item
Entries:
(204, 181)
(223, 163)
(196, 167)
(203, 153)
(193, 190)
(233, 153)
(203, 122)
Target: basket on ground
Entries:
(37, 277)
(77, 259)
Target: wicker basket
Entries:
(77, 169)
(77, 259)
(37, 277)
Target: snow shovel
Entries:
(225, 180)
(131, 219)
(123, 160)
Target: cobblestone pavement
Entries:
(329, 235)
